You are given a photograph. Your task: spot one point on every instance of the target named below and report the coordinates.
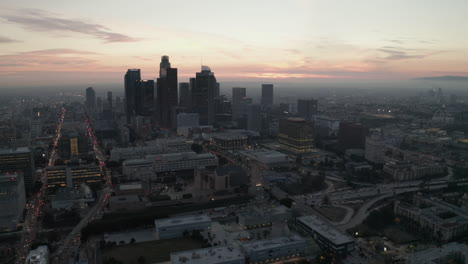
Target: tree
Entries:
(132, 241)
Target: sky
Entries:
(60, 42)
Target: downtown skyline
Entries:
(298, 41)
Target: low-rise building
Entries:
(268, 159)
(403, 171)
(69, 176)
(446, 221)
(257, 217)
(148, 168)
(214, 255)
(12, 200)
(176, 226)
(220, 179)
(153, 147)
(229, 141)
(458, 253)
(327, 236)
(274, 250)
(68, 198)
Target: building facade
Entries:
(12, 200)
(204, 89)
(176, 226)
(167, 93)
(267, 94)
(295, 135)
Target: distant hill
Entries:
(444, 78)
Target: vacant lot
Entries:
(152, 251)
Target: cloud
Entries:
(7, 40)
(50, 59)
(394, 54)
(38, 20)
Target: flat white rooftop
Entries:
(272, 243)
(177, 221)
(207, 255)
(326, 230)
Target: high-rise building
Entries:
(203, 88)
(99, 105)
(185, 97)
(90, 100)
(144, 98)
(19, 159)
(110, 100)
(267, 94)
(254, 117)
(167, 92)
(12, 199)
(306, 108)
(132, 77)
(295, 134)
(238, 95)
(352, 135)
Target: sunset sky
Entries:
(47, 41)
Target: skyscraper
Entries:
(238, 95)
(90, 100)
(130, 82)
(267, 94)
(203, 88)
(144, 98)
(185, 97)
(306, 108)
(254, 117)
(167, 92)
(109, 100)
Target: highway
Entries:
(71, 243)
(34, 207)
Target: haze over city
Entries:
(93, 42)
(233, 132)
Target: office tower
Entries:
(12, 199)
(217, 88)
(19, 159)
(352, 135)
(203, 88)
(185, 97)
(238, 95)
(90, 104)
(109, 100)
(167, 92)
(130, 81)
(306, 108)
(267, 94)
(295, 134)
(375, 149)
(99, 105)
(254, 117)
(144, 98)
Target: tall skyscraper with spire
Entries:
(204, 89)
(167, 97)
(131, 80)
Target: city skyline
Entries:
(299, 41)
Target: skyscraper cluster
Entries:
(164, 99)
